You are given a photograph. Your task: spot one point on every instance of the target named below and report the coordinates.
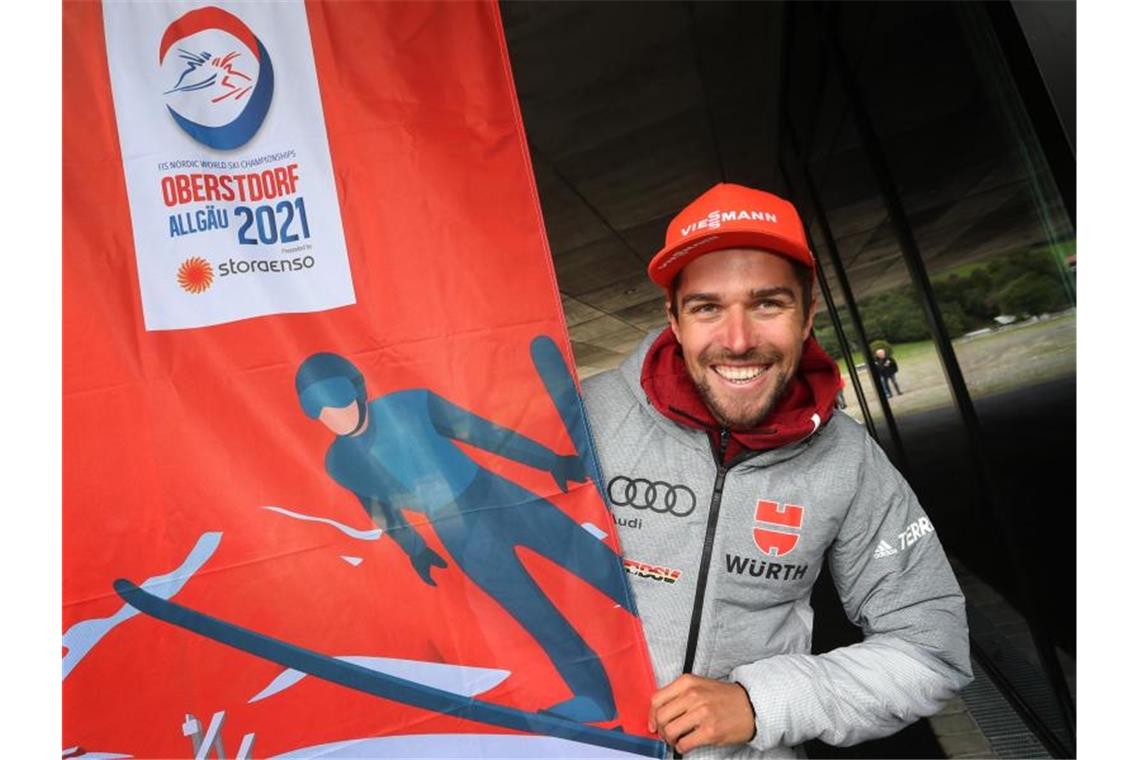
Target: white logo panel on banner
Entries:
(233, 203)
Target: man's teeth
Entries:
(738, 374)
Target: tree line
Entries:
(1020, 284)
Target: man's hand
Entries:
(693, 711)
(425, 561)
(567, 468)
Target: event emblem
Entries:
(221, 77)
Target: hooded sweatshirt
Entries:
(722, 555)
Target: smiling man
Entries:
(731, 409)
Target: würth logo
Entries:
(777, 527)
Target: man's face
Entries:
(342, 420)
(741, 324)
(881, 353)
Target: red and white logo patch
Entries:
(777, 527)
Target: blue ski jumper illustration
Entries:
(398, 451)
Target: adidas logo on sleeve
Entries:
(884, 550)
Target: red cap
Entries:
(730, 216)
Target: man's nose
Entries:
(738, 331)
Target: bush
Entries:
(895, 316)
(1032, 293)
(954, 318)
(966, 302)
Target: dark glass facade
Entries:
(945, 240)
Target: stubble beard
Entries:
(741, 419)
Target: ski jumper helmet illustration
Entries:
(329, 380)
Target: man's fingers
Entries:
(661, 697)
(670, 691)
(693, 712)
(698, 737)
(667, 713)
(670, 701)
(686, 722)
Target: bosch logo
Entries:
(652, 572)
(655, 495)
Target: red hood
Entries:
(811, 392)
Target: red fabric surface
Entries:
(169, 435)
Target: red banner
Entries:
(326, 480)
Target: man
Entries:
(399, 451)
(730, 409)
(888, 368)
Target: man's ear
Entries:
(809, 317)
(670, 313)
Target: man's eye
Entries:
(705, 308)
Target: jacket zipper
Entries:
(706, 559)
(706, 553)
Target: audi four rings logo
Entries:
(655, 495)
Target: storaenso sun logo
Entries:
(195, 275)
(221, 77)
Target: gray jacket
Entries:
(754, 536)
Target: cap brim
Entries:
(668, 262)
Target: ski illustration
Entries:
(375, 683)
(559, 384)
